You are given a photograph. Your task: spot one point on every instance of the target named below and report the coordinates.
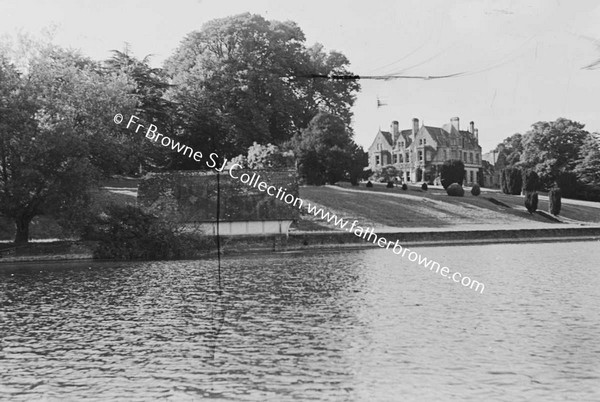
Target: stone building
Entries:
(419, 152)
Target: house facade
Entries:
(419, 152)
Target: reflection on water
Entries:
(352, 325)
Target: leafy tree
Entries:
(56, 135)
(360, 159)
(553, 147)
(452, 171)
(325, 150)
(509, 151)
(588, 164)
(148, 86)
(243, 79)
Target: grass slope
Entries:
(433, 208)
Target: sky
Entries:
(521, 60)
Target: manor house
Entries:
(419, 152)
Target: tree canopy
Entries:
(56, 134)
(325, 150)
(244, 79)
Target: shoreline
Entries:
(331, 240)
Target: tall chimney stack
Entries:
(455, 123)
(415, 127)
(472, 127)
(395, 130)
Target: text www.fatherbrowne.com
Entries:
(290, 199)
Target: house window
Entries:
(407, 176)
(445, 155)
(376, 160)
(395, 158)
(471, 157)
(402, 144)
(420, 155)
(477, 158)
(472, 181)
(463, 142)
(424, 141)
(400, 159)
(407, 157)
(465, 157)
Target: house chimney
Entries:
(394, 129)
(472, 127)
(415, 127)
(455, 123)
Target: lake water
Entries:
(349, 325)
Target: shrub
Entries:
(567, 183)
(530, 180)
(424, 186)
(452, 171)
(475, 190)
(128, 233)
(455, 190)
(390, 184)
(369, 184)
(531, 201)
(511, 181)
(404, 186)
(555, 201)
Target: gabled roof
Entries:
(388, 136)
(439, 135)
(406, 136)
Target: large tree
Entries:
(551, 148)
(244, 79)
(509, 151)
(588, 164)
(325, 150)
(148, 87)
(57, 134)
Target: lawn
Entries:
(433, 208)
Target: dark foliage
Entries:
(404, 186)
(128, 233)
(511, 181)
(567, 182)
(369, 184)
(588, 192)
(390, 184)
(531, 201)
(455, 190)
(555, 201)
(419, 173)
(424, 186)
(452, 171)
(475, 190)
(530, 180)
